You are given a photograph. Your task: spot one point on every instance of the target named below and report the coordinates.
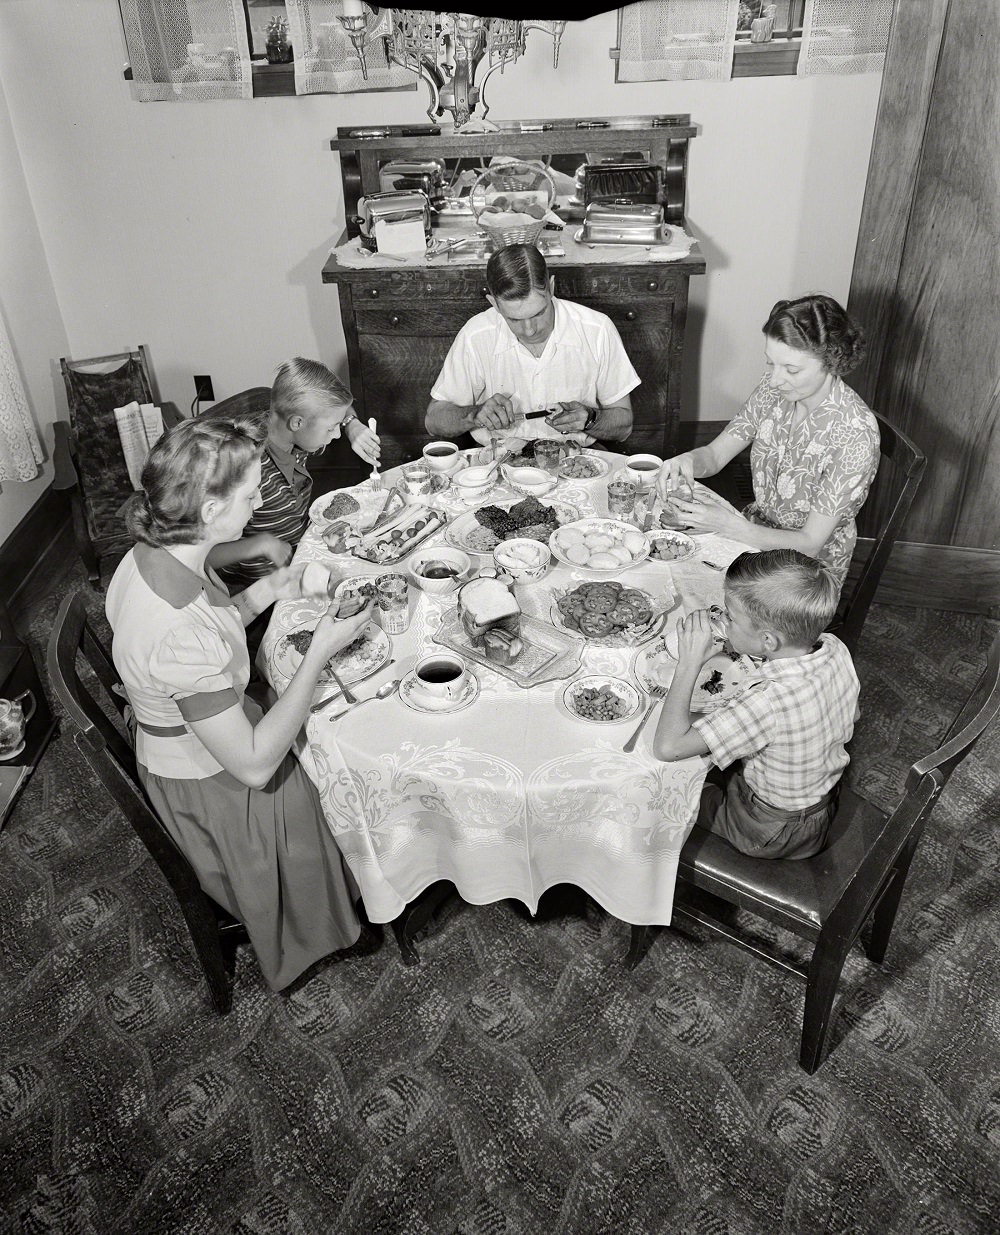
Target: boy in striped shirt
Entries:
(310, 406)
(784, 738)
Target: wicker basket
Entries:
(511, 178)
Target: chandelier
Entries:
(445, 49)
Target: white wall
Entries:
(31, 315)
(201, 229)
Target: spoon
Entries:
(383, 692)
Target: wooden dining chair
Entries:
(900, 472)
(102, 738)
(88, 459)
(828, 899)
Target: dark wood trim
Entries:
(37, 551)
(777, 58)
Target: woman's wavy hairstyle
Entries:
(818, 325)
(196, 460)
(786, 591)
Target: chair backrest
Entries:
(902, 461)
(898, 837)
(109, 753)
(94, 388)
(249, 404)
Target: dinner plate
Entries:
(609, 529)
(357, 585)
(628, 636)
(467, 534)
(370, 503)
(722, 679)
(574, 698)
(359, 660)
(600, 466)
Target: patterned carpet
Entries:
(519, 1081)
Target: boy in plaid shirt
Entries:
(784, 738)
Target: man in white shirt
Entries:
(532, 352)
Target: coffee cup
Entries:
(642, 470)
(440, 456)
(441, 677)
(14, 716)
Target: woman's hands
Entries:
(708, 516)
(676, 477)
(333, 634)
(365, 444)
(265, 545)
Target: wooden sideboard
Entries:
(400, 320)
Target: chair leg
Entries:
(884, 917)
(817, 1015)
(84, 545)
(415, 917)
(639, 944)
(218, 958)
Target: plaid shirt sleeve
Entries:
(738, 729)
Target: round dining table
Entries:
(512, 794)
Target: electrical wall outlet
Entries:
(203, 388)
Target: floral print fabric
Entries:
(826, 463)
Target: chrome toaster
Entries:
(622, 223)
(393, 208)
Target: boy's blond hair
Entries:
(298, 378)
(784, 591)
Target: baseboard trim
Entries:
(37, 551)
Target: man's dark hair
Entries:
(515, 272)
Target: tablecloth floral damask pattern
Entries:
(509, 796)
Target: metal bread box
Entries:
(622, 223)
(397, 210)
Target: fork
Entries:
(375, 479)
(656, 693)
(349, 695)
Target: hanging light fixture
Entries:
(445, 49)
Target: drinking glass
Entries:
(416, 479)
(548, 454)
(392, 598)
(621, 498)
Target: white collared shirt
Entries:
(583, 359)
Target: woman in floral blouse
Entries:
(815, 445)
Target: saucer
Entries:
(413, 697)
(11, 753)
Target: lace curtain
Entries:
(324, 56)
(187, 49)
(20, 449)
(844, 36)
(663, 40)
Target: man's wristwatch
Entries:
(591, 420)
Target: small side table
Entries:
(17, 674)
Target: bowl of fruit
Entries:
(601, 700)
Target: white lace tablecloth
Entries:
(510, 795)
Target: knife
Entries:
(547, 411)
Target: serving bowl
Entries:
(454, 558)
(582, 545)
(531, 481)
(522, 559)
(473, 482)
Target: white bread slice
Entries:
(488, 601)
